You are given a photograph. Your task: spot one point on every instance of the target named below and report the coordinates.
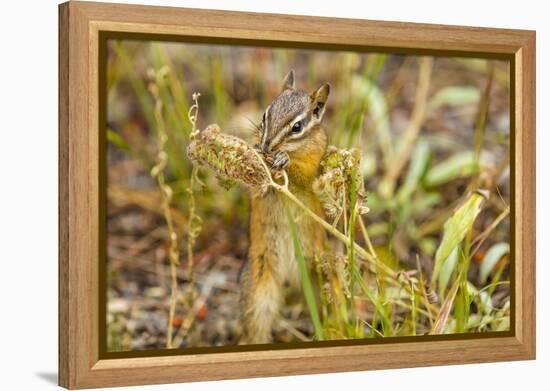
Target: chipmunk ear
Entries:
(319, 99)
(288, 83)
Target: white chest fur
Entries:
(279, 239)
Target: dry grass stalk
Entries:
(387, 185)
(157, 173)
(194, 227)
(149, 201)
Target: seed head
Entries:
(339, 173)
(231, 158)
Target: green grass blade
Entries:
(117, 140)
(380, 309)
(456, 228)
(138, 85)
(413, 310)
(462, 302)
(460, 165)
(306, 282)
(446, 307)
(447, 269)
(417, 167)
(175, 146)
(352, 219)
(376, 105)
(370, 75)
(454, 96)
(495, 253)
(483, 114)
(177, 87)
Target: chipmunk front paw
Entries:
(280, 161)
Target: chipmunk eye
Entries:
(297, 127)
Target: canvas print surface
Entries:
(264, 195)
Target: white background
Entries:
(28, 194)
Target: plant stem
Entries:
(191, 228)
(157, 172)
(366, 237)
(481, 121)
(306, 282)
(478, 241)
(387, 184)
(194, 225)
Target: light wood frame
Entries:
(79, 154)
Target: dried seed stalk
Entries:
(194, 224)
(337, 169)
(157, 173)
(194, 227)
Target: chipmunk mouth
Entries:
(266, 147)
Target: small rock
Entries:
(155, 292)
(118, 306)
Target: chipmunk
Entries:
(290, 132)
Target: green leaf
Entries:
(419, 203)
(428, 246)
(117, 140)
(378, 229)
(462, 301)
(455, 229)
(366, 82)
(355, 180)
(378, 304)
(446, 307)
(375, 103)
(417, 167)
(454, 96)
(461, 165)
(447, 269)
(368, 165)
(495, 253)
(484, 302)
(137, 82)
(306, 282)
(425, 201)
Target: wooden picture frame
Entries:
(80, 27)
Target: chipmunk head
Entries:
(292, 121)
